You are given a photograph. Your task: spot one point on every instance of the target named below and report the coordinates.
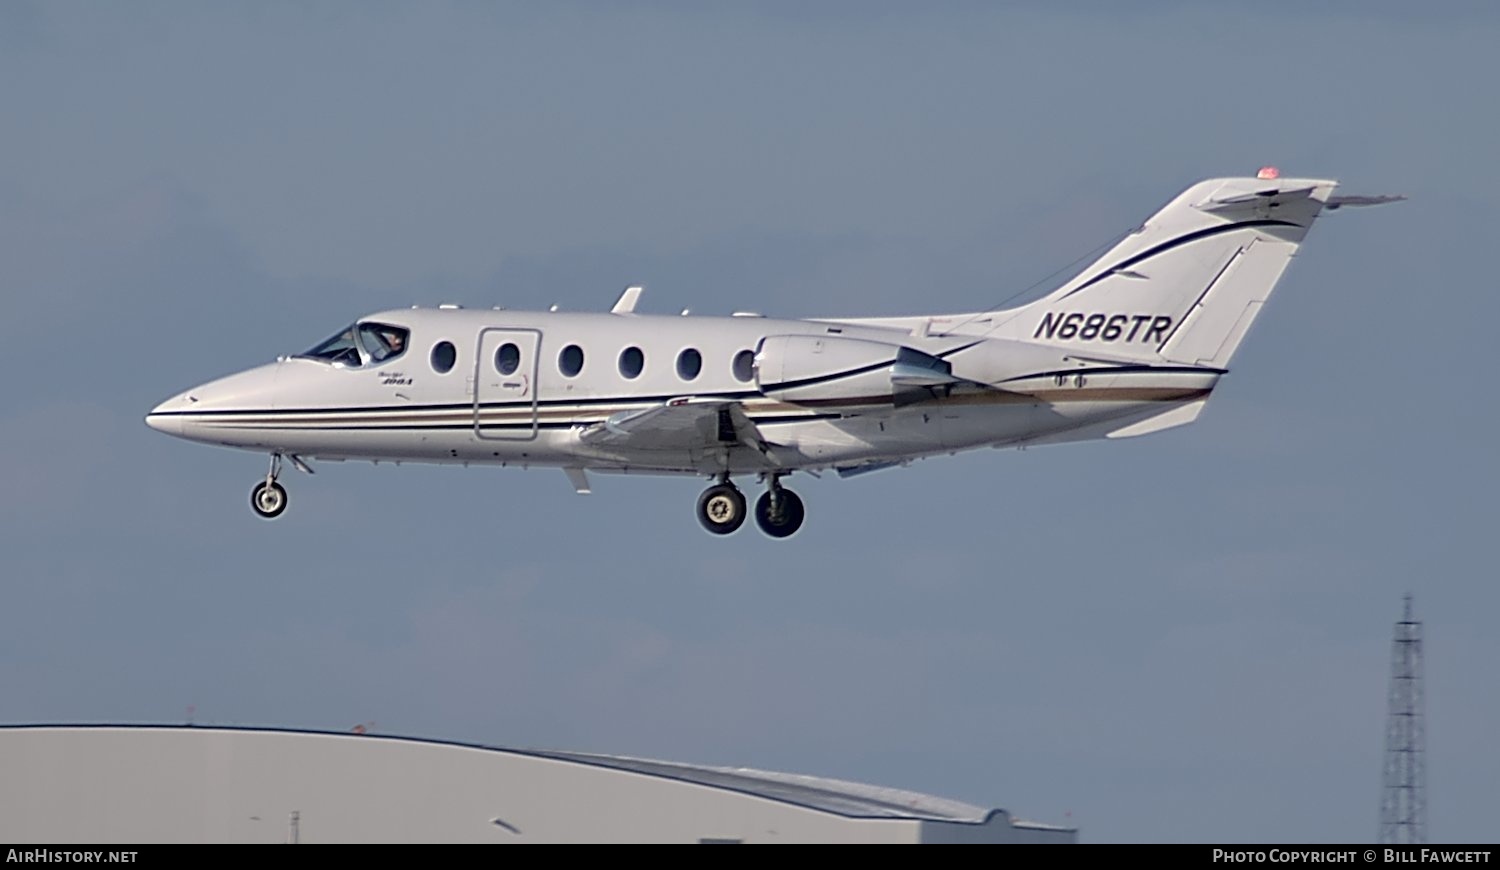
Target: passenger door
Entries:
(505, 395)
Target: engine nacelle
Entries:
(833, 370)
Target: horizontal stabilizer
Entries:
(1231, 196)
(1352, 200)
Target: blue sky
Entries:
(1181, 637)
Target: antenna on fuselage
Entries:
(626, 303)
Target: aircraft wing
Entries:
(682, 423)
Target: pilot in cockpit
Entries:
(393, 340)
(384, 342)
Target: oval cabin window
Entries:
(507, 359)
(744, 366)
(570, 361)
(632, 363)
(689, 364)
(444, 355)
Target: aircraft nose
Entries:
(199, 413)
(163, 418)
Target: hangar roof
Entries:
(829, 795)
(841, 797)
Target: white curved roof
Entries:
(845, 798)
(829, 795)
(174, 783)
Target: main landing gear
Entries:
(779, 511)
(721, 508)
(268, 498)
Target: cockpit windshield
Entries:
(340, 350)
(361, 344)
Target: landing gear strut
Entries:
(779, 511)
(268, 498)
(721, 507)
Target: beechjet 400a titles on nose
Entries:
(1135, 343)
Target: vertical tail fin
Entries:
(1185, 287)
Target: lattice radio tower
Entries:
(1403, 808)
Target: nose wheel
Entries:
(779, 511)
(268, 498)
(721, 508)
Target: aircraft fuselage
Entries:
(426, 404)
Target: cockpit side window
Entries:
(339, 350)
(382, 342)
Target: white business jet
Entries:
(1135, 343)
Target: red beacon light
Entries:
(1268, 173)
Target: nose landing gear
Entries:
(268, 498)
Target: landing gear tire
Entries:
(721, 508)
(268, 499)
(785, 519)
